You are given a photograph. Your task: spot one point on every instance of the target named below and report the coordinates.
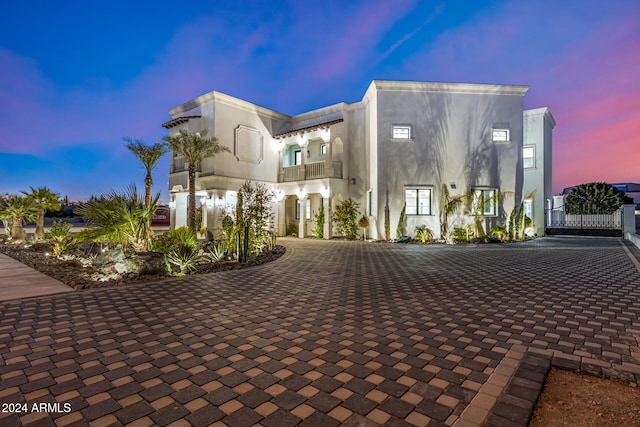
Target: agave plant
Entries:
(121, 218)
(181, 250)
(59, 237)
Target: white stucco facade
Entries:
(395, 147)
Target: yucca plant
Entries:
(121, 218)
(499, 232)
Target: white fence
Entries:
(559, 219)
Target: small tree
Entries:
(594, 198)
(448, 206)
(319, 217)
(45, 200)
(400, 227)
(20, 209)
(345, 216)
(364, 224)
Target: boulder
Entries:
(109, 257)
(146, 263)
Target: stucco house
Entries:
(396, 147)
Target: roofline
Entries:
(460, 88)
(542, 111)
(308, 128)
(215, 96)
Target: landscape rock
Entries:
(109, 257)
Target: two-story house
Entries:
(395, 148)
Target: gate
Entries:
(559, 222)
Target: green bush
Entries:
(463, 234)
(319, 217)
(346, 217)
(181, 250)
(423, 234)
(499, 232)
(59, 237)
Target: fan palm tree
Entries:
(149, 156)
(20, 209)
(194, 147)
(122, 218)
(44, 200)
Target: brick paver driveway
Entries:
(332, 333)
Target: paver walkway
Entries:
(332, 333)
(19, 281)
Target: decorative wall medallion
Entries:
(248, 144)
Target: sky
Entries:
(76, 77)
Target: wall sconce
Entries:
(209, 202)
(301, 194)
(278, 195)
(325, 192)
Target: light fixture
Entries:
(325, 192)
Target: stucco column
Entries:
(628, 219)
(303, 216)
(326, 203)
(180, 210)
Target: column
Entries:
(303, 216)
(326, 203)
(181, 210)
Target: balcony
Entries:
(314, 170)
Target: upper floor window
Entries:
(401, 132)
(529, 157)
(484, 202)
(323, 149)
(500, 135)
(417, 201)
(297, 157)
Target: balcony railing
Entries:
(314, 170)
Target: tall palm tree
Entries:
(20, 209)
(194, 147)
(149, 156)
(44, 200)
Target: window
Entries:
(401, 132)
(369, 202)
(484, 203)
(528, 208)
(307, 205)
(297, 157)
(417, 201)
(500, 135)
(323, 149)
(529, 157)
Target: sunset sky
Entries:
(76, 77)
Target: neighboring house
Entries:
(394, 148)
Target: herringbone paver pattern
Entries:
(334, 333)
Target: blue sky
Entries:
(77, 77)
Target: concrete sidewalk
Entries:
(19, 281)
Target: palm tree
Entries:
(194, 147)
(149, 156)
(20, 209)
(448, 206)
(122, 218)
(45, 200)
